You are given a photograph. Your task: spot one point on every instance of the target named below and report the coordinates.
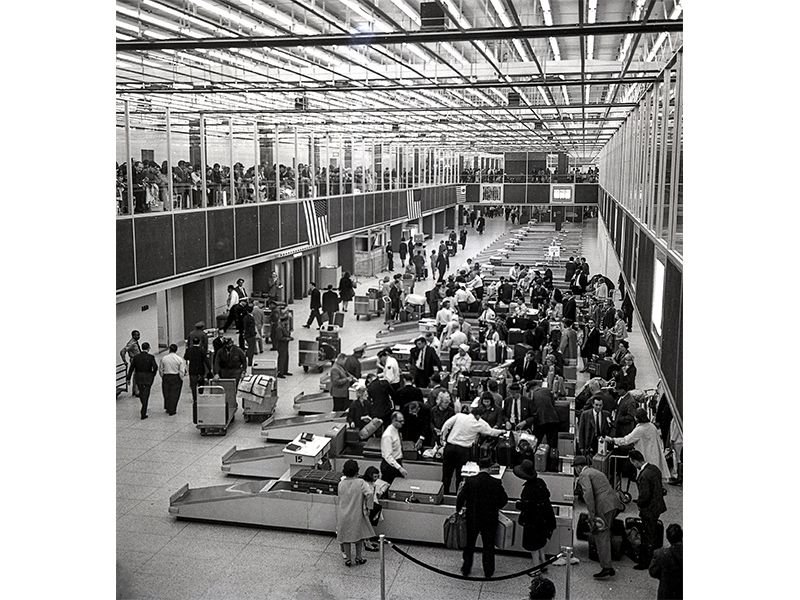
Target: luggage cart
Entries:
(259, 408)
(364, 306)
(308, 355)
(215, 411)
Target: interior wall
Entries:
(221, 283)
(130, 316)
(329, 255)
(175, 325)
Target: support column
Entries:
(438, 222)
(395, 233)
(450, 217)
(347, 254)
(427, 225)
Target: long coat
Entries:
(346, 291)
(667, 567)
(352, 523)
(646, 439)
(536, 514)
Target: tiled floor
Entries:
(160, 557)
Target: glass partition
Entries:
(218, 161)
(244, 162)
(123, 160)
(148, 150)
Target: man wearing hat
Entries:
(198, 333)
(603, 506)
(198, 367)
(423, 361)
(230, 361)
(482, 497)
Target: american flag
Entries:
(414, 211)
(461, 194)
(316, 212)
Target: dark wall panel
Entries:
(671, 327)
(358, 212)
(380, 204)
(586, 193)
(190, 241)
(538, 193)
(246, 231)
(473, 192)
(347, 213)
(154, 236)
(270, 227)
(626, 267)
(679, 379)
(514, 193)
(618, 230)
(335, 215)
(399, 209)
(125, 267)
(644, 280)
(369, 209)
(220, 236)
(302, 227)
(288, 224)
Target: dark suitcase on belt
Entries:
(315, 481)
(541, 458)
(562, 408)
(409, 451)
(516, 336)
(506, 452)
(416, 491)
(372, 448)
(635, 523)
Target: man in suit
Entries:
(569, 308)
(579, 282)
(667, 565)
(505, 293)
(570, 268)
(584, 267)
(625, 418)
(651, 505)
(330, 303)
(403, 251)
(517, 410)
(316, 304)
(282, 338)
(143, 368)
(609, 315)
(545, 416)
(603, 506)
(592, 425)
(240, 291)
(525, 367)
(380, 394)
(591, 344)
(482, 496)
(249, 333)
(199, 368)
(627, 310)
(422, 362)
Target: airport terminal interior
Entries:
(519, 161)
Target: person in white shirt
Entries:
(487, 316)
(392, 450)
(462, 362)
(444, 316)
(233, 297)
(467, 266)
(513, 272)
(601, 290)
(475, 285)
(391, 369)
(465, 327)
(172, 370)
(463, 297)
(460, 432)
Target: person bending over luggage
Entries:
(355, 498)
(341, 381)
(459, 433)
(545, 418)
(417, 428)
(380, 395)
(603, 506)
(481, 497)
(667, 565)
(392, 450)
(360, 409)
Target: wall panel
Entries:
(246, 231)
(538, 193)
(270, 227)
(335, 215)
(190, 241)
(154, 236)
(288, 214)
(347, 213)
(359, 214)
(220, 236)
(125, 268)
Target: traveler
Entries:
(341, 381)
(417, 427)
(352, 364)
(346, 290)
(143, 369)
(250, 333)
(230, 362)
(392, 450)
(422, 362)
(316, 304)
(625, 377)
(408, 393)
(592, 427)
(536, 513)
(358, 414)
(482, 497)
(127, 353)
(603, 506)
(459, 433)
(403, 251)
(330, 303)
(240, 291)
(199, 368)
(461, 362)
(283, 337)
(172, 370)
(667, 565)
(390, 256)
(651, 505)
(355, 498)
(492, 414)
(545, 418)
(198, 333)
(258, 317)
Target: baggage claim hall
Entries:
(399, 299)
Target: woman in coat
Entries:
(355, 500)
(341, 381)
(346, 290)
(536, 513)
(491, 413)
(645, 438)
(619, 331)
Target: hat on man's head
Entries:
(421, 338)
(359, 348)
(464, 347)
(580, 461)
(200, 325)
(525, 470)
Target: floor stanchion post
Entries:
(568, 555)
(381, 539)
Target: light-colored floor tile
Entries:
(162, 525)
(293, 540)
(133, 491)
(204, 549)
(212, 533)
(141, 542)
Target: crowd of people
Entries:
(486, 175)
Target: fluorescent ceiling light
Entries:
(128, 26)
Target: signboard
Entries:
(491, 193)
(554, 251)
(562, 193)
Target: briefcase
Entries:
(338, 319)
(602, 462)
(504, 536)
(315, 481)
(541, 457)
(372, 449)
(416, 491)
(409, 451)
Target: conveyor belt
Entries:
(285, 430)
(313, 404)
(265, 462)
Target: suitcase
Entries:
(504, 536)
(221, 320)
(552, 460)
(416, 491)
(602, 462)
(409, 451)
(506, 452)
(491, 351)
(257, 394)
(632, 535)
(369, 430)
(315, 481)
(372, 449)
(540, 458)
(516, 336)
(338, 319)
(566, 444)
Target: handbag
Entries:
(455, 531)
